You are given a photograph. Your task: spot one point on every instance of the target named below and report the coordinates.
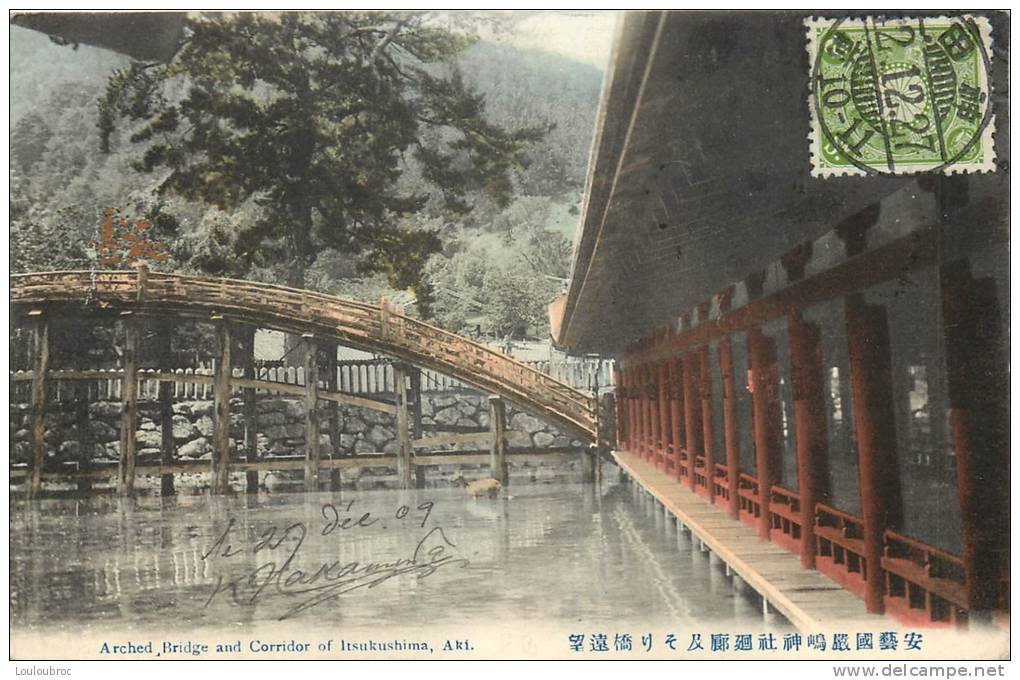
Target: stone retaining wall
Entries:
(280, 426)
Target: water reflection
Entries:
(555, 553)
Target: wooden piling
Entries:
(497, 447)
(404, 471)
(221, 409)
(129, 407)
(40, 365)
(416, 427)
(312, 449)
(589, 464)
(249, 402)
(83, 427)
(168, 448)
(333, 413)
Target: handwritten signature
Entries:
(327, 580)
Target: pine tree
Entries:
(318, 119)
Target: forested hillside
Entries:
(497, 268)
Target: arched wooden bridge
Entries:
(132, 294)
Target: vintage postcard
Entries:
(501, 334)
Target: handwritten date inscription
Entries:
(276, 551)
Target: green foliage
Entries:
(314, 118)
(56, 202)
(28, 141)
(523, 86)
(501, 288)
(43, 245)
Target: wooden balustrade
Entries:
(748, 502)
(841, 552)
(721, 485)
(923, 584)
(784, 511)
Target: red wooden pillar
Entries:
(875, 425)
(730, 425)
(692, 414)
(808, 382)
(620, 392)
(634, 389)
(676, 411)
(647, 439)
(655, 430)
(708, 435)
(631, 409)
(979, 420)
(665, 428)
(765, 399)
(636, 428)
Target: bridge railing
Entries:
(357, 376)
(360, 325)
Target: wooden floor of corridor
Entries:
(807, 598)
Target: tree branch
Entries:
(384, 43)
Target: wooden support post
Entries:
(129, 408)
(979, 418)
(40, 366)
(808, 382)
(676, 411)
(589, 458)
(708, 435)
(333, 413)
(403, 426)
(221, 409)
(86, 442)
(874, 422)
(497, 446)
(761, 351)
(312, 449)
(168, 448)
(250, 409)
(730, 425)
(416, 427)
(692, 415)
(665, 426)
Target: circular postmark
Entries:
(900, 96)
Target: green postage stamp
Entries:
(900, 96)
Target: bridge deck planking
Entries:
(808, 599)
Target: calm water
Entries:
(555, 552)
